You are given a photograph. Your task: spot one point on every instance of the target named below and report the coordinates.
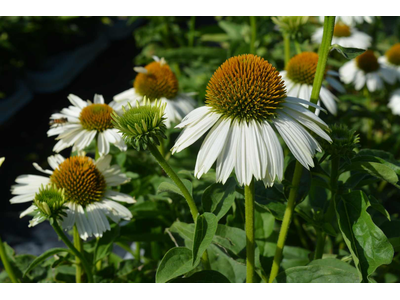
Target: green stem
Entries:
(319, 250)
(253, 34)
(192, 24)
(6, 263)
(300, 232)
(78, 245)
(96, 154)
(286, 43)
(171, 173)
(249, 194)
(137, 252)
(329, 25)
(78, 254)
(297, 46)
(189, 199)
(286, 221)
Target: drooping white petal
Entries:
(227, 158)
(120, 197)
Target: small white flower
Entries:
(365, 69)
(391, 59)
(157, 81)
(394, 102)
(345, 36)
(299, 77)
(84, 121)
(246, 104)
(85, 183)
(351, 20)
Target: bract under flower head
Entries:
(142, 124)
(50, 204)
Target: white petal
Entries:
(117, 196)
(78, 102)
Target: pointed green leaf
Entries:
(206, 226)
(367, 243)
(348, 53)
(170, 187)
(206, 276)
(177, 261)
(43, 257)
(218, 198)
(377, 170)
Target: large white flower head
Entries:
(345, 36)
(79, 124)
(351, 20)
(85, 184)
(391, 59)
(366, 69)
(394, 102)
(245, 101)
(157, 81)
(299, 77)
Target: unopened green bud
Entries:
(344, 142)
(291, 25)
(142, 124)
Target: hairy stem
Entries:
(249, 194)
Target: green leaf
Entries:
(218, 198)
(170, 187)
(348, 53)
(206, 226)
(227, 266)
(377, 170)
(367, 243)
(231, 239)
(177, 261)
(43, 257)
(392, 231)
(264, 222)
(206, 276)
(185, 230)
(378, 206)
(271, 199)
(320, 271)
(65, 274)
(104, 245)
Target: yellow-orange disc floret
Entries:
(246, 87)
(302, 67)
(81, 180)
(367, 62)
(96, 117)
(158, 82)
(341, 30)
(393, 54)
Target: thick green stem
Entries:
(78, 254)
(189, 199)
(319, 250)
(287, 218)
(329, 25)
(286, 44)
(7, 266)
(96, 154)
(78, 245)
(192, 24)
(297, 46)
(171, 173)
(249, 194)
(253, 34)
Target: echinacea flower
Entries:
(157, 81)
(80, 123)
(391, 59)
(345, 36)
(394, 102)
(299, 77)
(352, 20)
(365, 69)
(245, 101)
(85, 184)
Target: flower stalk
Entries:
(253, 34)
(79, 246)
(249, 195)
(7, 266)
(77, 253)
(329, 24)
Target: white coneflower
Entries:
(345, 36)
(394, 102)
(391, 59)
(85, 185)
(365, 69)
(299, 77)
(246, 101)
(157, 81)
(79, 124)
(352, 20)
